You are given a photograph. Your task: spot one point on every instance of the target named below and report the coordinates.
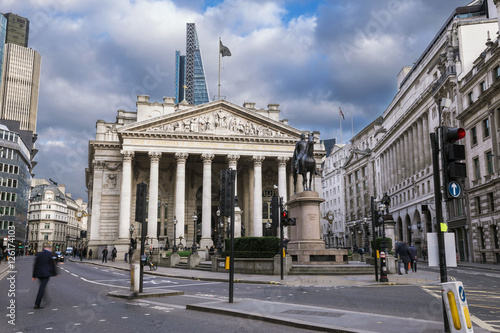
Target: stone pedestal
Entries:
(305, 246)
(193, 260)
(174, 259)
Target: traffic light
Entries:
(275, 211)
(287, 220)
(453, 153)
(226, 189)
(140, 202)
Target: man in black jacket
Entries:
(44, 268)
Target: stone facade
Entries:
(179, 151)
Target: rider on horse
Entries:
(300, 150)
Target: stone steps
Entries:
(201, 267)
(332, 270)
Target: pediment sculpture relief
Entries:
(218, 122)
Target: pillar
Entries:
(257, 195)
(426, 137)
(233, 163)
(125, 195)
(154, 158)
(95, 219)
(420, 144)
(206, 213)
(180, 194)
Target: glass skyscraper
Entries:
(190, 82)
(3, 32)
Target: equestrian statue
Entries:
(303, 161)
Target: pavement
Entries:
(297, 315)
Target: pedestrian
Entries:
(85, 253)
(113, 254)
(44, 268)
(404, 257)
(424, 253)
(90, 254)
(413, 258)
(130, 254)
(105, 255)
(211, 252)
(80, 254)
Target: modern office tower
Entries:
(20, 84)
(3, 32)
(180, 76)
(18, 28)
(15, 180)
(190, 83)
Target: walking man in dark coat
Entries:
(404, 256)
(105, 255)
(413, 257)
(44, 268)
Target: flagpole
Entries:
(219, 68)
(352, 126)
(340, 121)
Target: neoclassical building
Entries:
(179, 151)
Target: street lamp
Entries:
(174, 248)
(194, 248)
(220, 228)
(383, 264)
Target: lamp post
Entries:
(174, 248)
(219, 229)
(194, 248)
(383, 263)
(367, 233)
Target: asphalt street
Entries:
(78, 300)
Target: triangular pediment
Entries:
(218, 118)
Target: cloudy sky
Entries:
(308, 56)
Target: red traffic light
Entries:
(284, 214)
(452, 134)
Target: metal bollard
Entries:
(383, 268)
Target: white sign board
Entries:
(449, 245)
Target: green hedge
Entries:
(253, 247)
(378, 242)
(181, 253)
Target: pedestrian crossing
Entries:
(484, 302)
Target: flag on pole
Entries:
(224, 50)
(341, 113)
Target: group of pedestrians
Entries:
(105, 254)
(407, 257)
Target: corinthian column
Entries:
(232, 161)
(95, 218)
(206, 214)
(154, 158)
(257, 196)
(180, 193)
(125, 195)
(282, 177)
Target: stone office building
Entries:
(179, 151)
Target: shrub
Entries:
(253, 247)
(378, 242)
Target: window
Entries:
(482, 87)
(45, 236)
(473, 135)
(470, 97)
(489, 162)
(478, 205)
(491, 202)
(47, 225)
(477, 170)
(486, 127)
(496, 72)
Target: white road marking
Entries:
(482, 324)
(74, 274)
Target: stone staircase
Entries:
(203, 266)
(332, 270)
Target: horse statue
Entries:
(303, 162)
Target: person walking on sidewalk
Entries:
(44, 268)
(404, 256)
(413, 258)
(105, 255)
(113, 254)
(90, 254)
